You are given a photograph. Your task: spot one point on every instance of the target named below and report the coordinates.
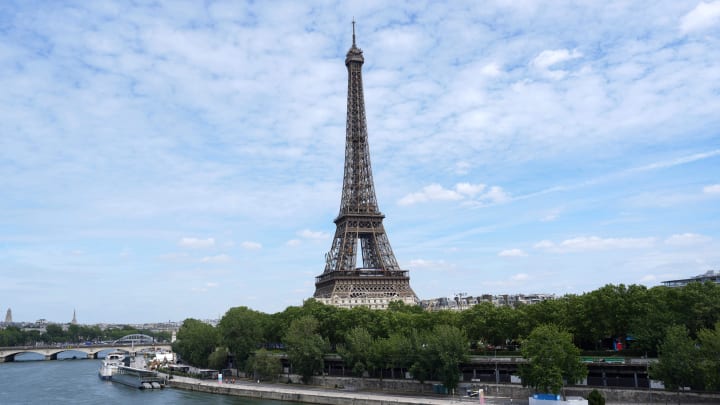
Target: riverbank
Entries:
(502, 394)
(315, 395)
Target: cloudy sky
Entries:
(164, 160)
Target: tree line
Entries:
(431, 344)
(75, 334)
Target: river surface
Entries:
(76, 382)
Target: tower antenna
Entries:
(353, 23)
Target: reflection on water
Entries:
(76, 382)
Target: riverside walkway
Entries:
(317, 395)
(310, 394)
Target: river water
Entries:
(76, 382)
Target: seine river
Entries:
(76, 382)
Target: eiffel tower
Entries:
(379, 280)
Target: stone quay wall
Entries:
(356, 391)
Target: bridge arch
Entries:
(44, 353)
(8, 354)
(135, 338)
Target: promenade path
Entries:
(317, 395)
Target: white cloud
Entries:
(551, 215)
(433, 192)
(548, 58)
(687, 239)
(251, 245)
(544, 244)
(469, 189)
(218, 259)
(491, 69)
(196, 242)
(496, 195)
(512, 253)
(205, 287)
(422, 264)
(462, 168)
(318, 235)
(703, 16)
(590, 243)
(712, 189)
(649, 278)
(520, 277)
(472, 193)
(293, 242)
(163, 128)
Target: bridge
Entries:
(7, 354)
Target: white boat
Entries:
(138, 378)
(110, 365)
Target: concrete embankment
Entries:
(501, 394)
(305, 394)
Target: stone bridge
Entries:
(51, 352)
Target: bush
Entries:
(596, 398)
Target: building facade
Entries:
(710, 275)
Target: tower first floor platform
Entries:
(374, 289)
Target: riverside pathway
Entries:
(317, 395)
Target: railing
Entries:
(361, 273)
(69, 346)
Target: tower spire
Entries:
(360, 235)
(353, 22)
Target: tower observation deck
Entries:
(379, 280)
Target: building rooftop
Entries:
(710, 275)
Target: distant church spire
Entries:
(8, 316)
(74, 320)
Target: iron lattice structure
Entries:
(379, 280)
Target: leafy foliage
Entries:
(241, 330)
(195, 342)
(448, 348)
(402, 337)
(218, 359)
(305, 347)
(596, 398)
(677, 359)
(551, 358)
(265, 366)
(359, 351)
(709, 364)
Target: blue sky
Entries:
(164, 160)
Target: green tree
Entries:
(423, 363)
(448, 348)
(677, 359)
(661, 310)
(700, 306)
(596, 398)
(11, 336)
(195, 341)
(54, 333)
(305, 347)
(709, 364)
(551, 357)
(73, 333)
(218, 359)
(241, 330)
(357, 352)
(394, 352)
(265, 366)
